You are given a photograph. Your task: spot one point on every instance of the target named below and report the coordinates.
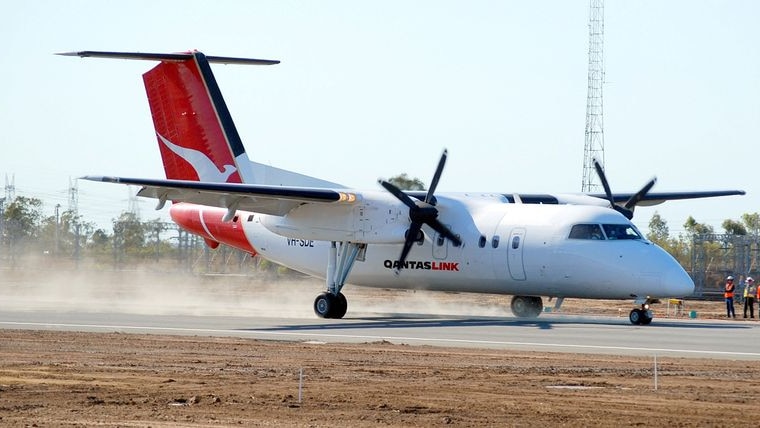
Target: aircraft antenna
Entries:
(594, 145)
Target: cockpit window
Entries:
(621, 231)
(586, 231)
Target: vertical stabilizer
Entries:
(196, 135)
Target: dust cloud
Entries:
(150, 292)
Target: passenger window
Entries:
(250, 217)
(515, 242)
(482, 241)
(441, 240)
(460, 241)
(495, 241)
(586, 231)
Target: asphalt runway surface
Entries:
(549, 333)
(134, 302)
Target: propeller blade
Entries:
(403, 197)
(411, 238)
(603, 179)
(635, 199)
(436, 176)
(421, 212)
(445, 231)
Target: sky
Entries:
(375, 89)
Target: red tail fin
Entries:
(196, 135)
(188, 112)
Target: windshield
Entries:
(586, 231)
(621, 231)
(611, 232)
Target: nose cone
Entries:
(677, 283)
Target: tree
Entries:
(128, 234)
(100, 242)
(658, 230)
(659, 233)
(752, 223)
(693, 228)
(733, 227)
(22, 220)
(403, 182)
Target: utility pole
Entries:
(2, 225)
(57, 229)
(594, 145)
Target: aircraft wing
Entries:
(265, 199)
(656, 198)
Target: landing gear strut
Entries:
(332, 303)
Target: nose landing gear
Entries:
(643, 315)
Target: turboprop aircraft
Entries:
(527, 246)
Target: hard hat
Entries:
(749, 279)
(730, 278)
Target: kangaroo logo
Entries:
(202, 164)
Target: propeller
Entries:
(421, 212)
(630, 204)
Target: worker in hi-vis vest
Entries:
(729, 295)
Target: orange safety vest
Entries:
(729, 290)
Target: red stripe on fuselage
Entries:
(207, 223)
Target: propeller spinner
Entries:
(630, 204)
(421, 212)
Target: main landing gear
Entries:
(332, 303)
(526, 306)
(328, 305)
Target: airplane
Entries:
(529, 246)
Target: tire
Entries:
(324, 305)
(519, 306)
(526, 306)
(340, 307)
(636, 316)
(646, 317)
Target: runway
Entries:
(134, 302)
(551, 332)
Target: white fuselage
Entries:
(519, 249)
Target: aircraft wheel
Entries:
(636, 316)
(646, 317)
(536, 306)
(328, 305)
(526, 306)
(324, 305)
(341, 306)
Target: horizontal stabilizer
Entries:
(182, 56)
(265, 199)
(656, 198)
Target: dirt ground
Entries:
(50, 378)
(88, 379)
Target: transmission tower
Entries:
(594, 146)
(74, 197)
(10, 188)
(134, 204)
